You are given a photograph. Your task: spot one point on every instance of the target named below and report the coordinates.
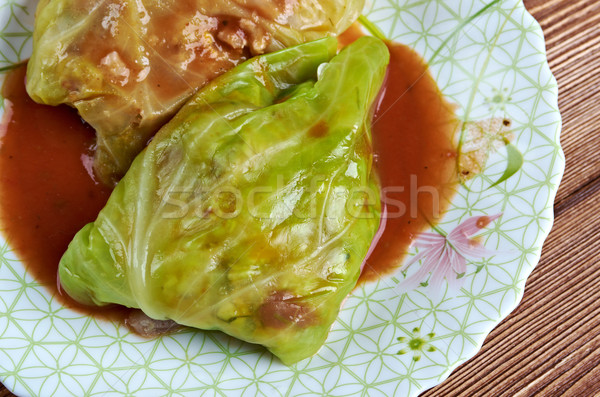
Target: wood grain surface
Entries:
(550, 345)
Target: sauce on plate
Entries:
(48, 192)
(46, 186)
(415, 155)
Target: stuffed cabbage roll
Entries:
(128, 66)
(251, 211)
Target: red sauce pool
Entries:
(47, 191)
(415, 155)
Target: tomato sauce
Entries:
(415, 158)
(48, 191)
(415, 155)
(47, 188)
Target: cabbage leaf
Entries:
(252, 211)
(128, 66)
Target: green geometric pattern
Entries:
(489, 59)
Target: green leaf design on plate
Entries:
(514, 162)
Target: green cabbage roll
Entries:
(251, 211)
(128, 66)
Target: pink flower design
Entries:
(446, 256)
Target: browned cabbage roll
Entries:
(128, 66)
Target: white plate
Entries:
(488, 58)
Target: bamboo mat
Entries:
(550, 345)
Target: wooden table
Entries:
(550, 345)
